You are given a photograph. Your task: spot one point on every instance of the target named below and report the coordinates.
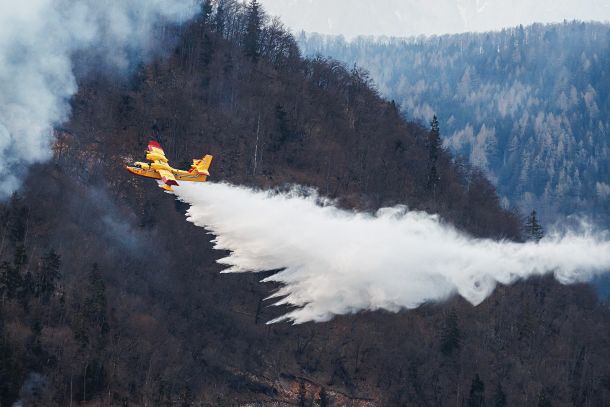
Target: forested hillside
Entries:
(109, 297)
(528, 105)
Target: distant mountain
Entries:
(529, 105)
(413, 17)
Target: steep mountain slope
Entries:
(528, 105)
(133, 311)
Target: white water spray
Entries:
(338, 262)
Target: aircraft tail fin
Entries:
(202, 166)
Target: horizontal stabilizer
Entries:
(202, 166)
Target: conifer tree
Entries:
(49, 273)
(282, 126)
(18, 216)
(10, 280)
(95, 303)
(90, 325)
(9, 374)
(451, 335)
(27, 288)
(253, 31)
(206, 11)
(543, 400)
(533, 229)
(434, 148)
(20, 257)
(499, 396)
(302, 394)
(220, 17)
(476, 398)
(434, 139)
(323, 398)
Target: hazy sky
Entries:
(414, 17)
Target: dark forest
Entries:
(109, 297)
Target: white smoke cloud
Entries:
(339, 262)
(38, 39)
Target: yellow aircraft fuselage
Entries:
(159, 168)
(155, 175)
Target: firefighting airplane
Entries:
(161, 170)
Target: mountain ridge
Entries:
(413, 17)
(525, 104)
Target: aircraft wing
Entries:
(154, 152)
(202, 166)
(167, 177)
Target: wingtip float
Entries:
(159, 168)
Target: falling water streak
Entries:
(337, 262)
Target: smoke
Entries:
(38, 41)
(32, 388)
(339, 262)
